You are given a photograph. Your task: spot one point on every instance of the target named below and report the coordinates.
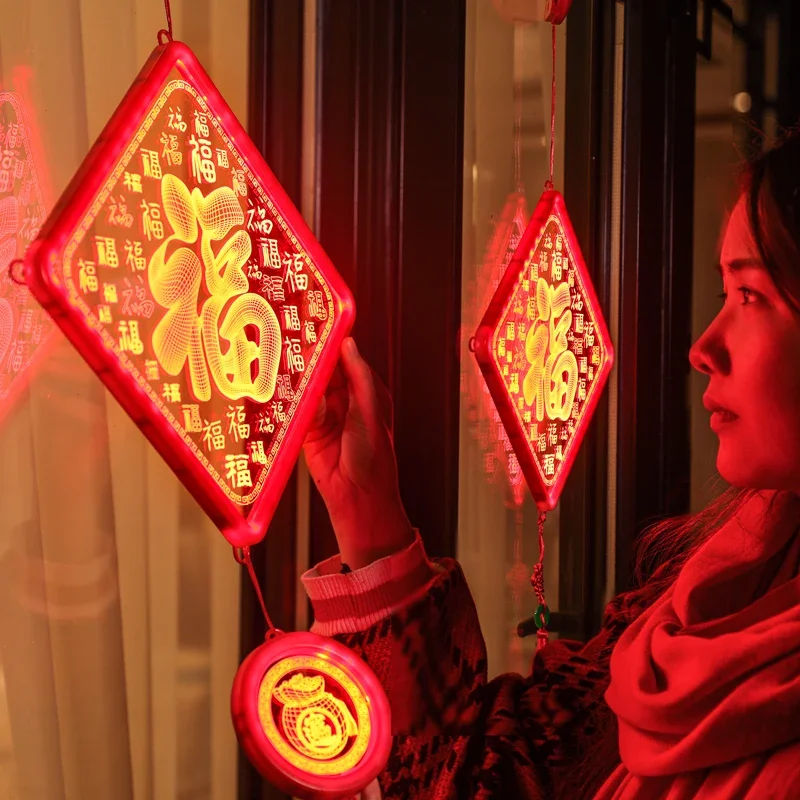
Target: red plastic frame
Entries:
(50, 276)
(265, 757)
(550, 211)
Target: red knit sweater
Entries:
(458, 735)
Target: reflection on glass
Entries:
(482, 419)
(25, 328)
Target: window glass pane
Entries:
(507, 139)
(722, 136)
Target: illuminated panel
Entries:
(500, 462)
(179, 268)
(24, 327)
(314, 715)
(311, 716)
(544, 350)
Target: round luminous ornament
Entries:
(311, 716)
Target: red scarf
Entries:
(706, 683)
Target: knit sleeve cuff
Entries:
(354, 601)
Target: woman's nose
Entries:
(708, 354)
(698, 358)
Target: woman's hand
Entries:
(351, 460)
(372, 792)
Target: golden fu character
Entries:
(317, 724)
(552, 379)
(175, 282)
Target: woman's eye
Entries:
(747, 295)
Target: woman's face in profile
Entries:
(751, 353)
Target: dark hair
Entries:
(771, 188)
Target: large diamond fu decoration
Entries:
(179, 268)
(544, 350)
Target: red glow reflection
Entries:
(25, 328)
(499, 460)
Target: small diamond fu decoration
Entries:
(544, 350)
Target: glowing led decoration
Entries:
(24, 327)
(544, 350)
(499, 459)
(179, 268)
(311, 716)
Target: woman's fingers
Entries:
(331, 408)
(385, 404)
(372, 792)
(319, 417)
(361, 385)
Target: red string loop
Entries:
(537, 582)
(518, 112)
(549, 184)
(242, 556)
(165, 35)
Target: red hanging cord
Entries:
(244, 558)
(519, 36)
(542, 613)
(166, 33)
(549, 184)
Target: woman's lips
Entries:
(722, 418)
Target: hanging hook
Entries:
(556, 11)
(240, 555)
(16, 271)
(165, 34)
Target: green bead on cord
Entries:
(541, 616)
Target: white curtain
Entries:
(119, 601)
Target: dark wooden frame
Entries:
(275, 124)
(388, 212)
(653, 464)
(389, 108)
(788, 100)
(583, 531)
